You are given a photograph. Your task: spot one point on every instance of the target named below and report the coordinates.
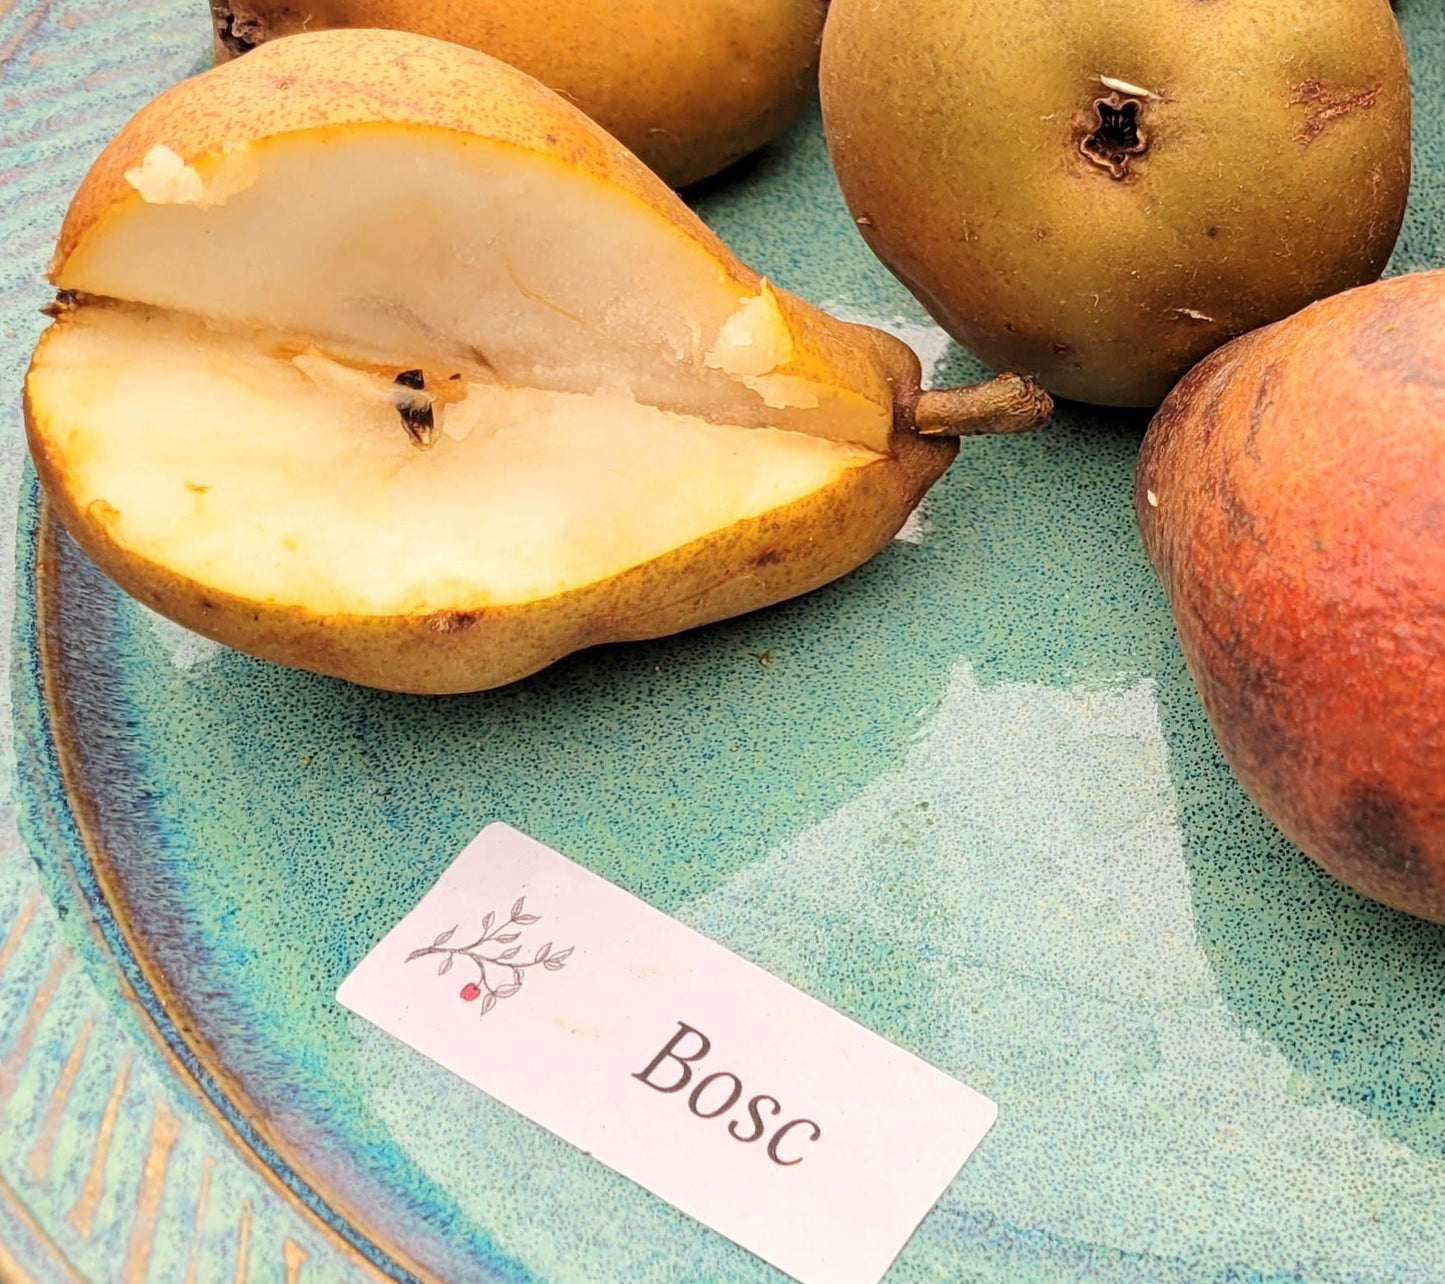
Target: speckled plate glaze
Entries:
(966, 796)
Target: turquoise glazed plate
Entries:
(966, 796)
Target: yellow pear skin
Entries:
(1101, 192)
(690, 86)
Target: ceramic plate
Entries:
(966, 796)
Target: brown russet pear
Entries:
(690, 86)
(1101, 192)
(1291, 495)
(373, 356)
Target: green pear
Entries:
(1101, 192)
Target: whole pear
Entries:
(690, 86)
(1100, 192)
(1291, 495)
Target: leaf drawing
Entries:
(498, 974)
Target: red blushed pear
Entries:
(374, 357)
(1291, 496)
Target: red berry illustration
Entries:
(471, 991)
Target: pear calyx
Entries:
(1115, 135)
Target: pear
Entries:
(374, 357)
(1101, 192)
(690, 86)
(1289, 493)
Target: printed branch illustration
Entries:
(494, 934)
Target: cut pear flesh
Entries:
(425, 248)
(276, 478)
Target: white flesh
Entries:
(428, 249)
(243, 464)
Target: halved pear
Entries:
(376, 358)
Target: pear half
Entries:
(376, 358)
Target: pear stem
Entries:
(1008, 403)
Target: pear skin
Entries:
(274, 260)
(690, 86)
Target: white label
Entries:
(755, 1109)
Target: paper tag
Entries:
(757, 1110)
